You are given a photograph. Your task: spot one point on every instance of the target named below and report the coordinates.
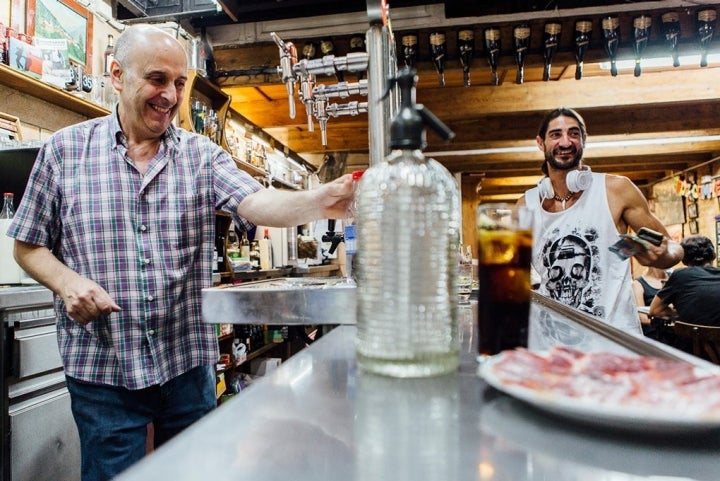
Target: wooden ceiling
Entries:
(647, 128)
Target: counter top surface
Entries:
(318, 417)
(24, 296)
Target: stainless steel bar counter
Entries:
(317, 417)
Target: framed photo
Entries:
(66, 20)
(692, 210)
(693, 227)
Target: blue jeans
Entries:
(112, 421)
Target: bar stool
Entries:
(705, 339)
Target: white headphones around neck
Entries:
(576, 181)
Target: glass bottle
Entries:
(438, 51)
(671, 31)
(109, 54)
(521, 42)
(551, 40)
(705, 30)
(350, 229)
(466, 50)
(611, 36)
(492, 50)
(8, 208)
(408, 211)
(641, 33)
(583, 30)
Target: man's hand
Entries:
(86, 301)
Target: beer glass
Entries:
(504, 235)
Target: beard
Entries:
(550, 158)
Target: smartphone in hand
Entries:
(651, 236)
(625, 249)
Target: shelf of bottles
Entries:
(260, 158)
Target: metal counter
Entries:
(318, 417)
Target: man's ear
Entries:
(540, 143)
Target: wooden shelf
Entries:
(49, 93)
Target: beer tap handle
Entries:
(321, 114)
(307, 95)
(286, 70)
(342, 89)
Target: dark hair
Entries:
(699, 250)
(553, 114)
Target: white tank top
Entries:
(571, 256)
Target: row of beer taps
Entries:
(303, 74)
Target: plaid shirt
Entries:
(146, 239)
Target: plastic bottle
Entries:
(350, 230)
(408, 211)
(10, 272)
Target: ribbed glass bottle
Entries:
(408, 233)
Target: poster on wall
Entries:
(65, 20)
(55, 67)
(25, 57)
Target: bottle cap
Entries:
(357, 174)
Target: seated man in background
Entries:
(692, 293)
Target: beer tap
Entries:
(466, 48)
(641, 32)
(307, 88)
(705, 30)
(342, 89)
(329, 64)
(492, 50)
(321, 103)
(671, 30)
(288, 61)
(521, 42)
(611, 35)
(409, 50)
(551, 40)
(323, 111)
(438, 50)
(583, 29)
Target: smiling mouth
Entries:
(160, 109)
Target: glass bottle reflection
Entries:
(466, 50)
(492, 51)
(438, 52)
(551, 40)
(705, 30)
(521, 42)
(641, 33)
(611, 40)
(671, 32)
(583, 30)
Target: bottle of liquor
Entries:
(611, 36)
(671, 31)
(641, 33)
(438, 51)
(466, 50)
(492, 50)
(350, 229)
(583, 30)
(327, 47)
(407, 238)
(309, 50)
(244, 247)
(521, 42)
(409, 49)
(109, 54)
(357, 44)
(705, 30)
(551, 40)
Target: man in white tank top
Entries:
(578, 214)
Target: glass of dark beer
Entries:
(505, 237)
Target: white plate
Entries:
(646, 418)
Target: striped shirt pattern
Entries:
(146, 239)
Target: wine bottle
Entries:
(109, 54)
(551, 40)
(521, 42)
(641, 33)
(671, 31)
(466, 50)
(309, 50)
(438, 51)
(705, 30)
(583, 30)
(492, 50)
(409, 49)
(611, 36)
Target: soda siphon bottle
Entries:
(408, 215)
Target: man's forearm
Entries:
(42, 265)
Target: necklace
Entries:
(563, 199)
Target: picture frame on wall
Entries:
(66, 20)
(692, 210)
(693, 227)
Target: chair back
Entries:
(705, 339)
